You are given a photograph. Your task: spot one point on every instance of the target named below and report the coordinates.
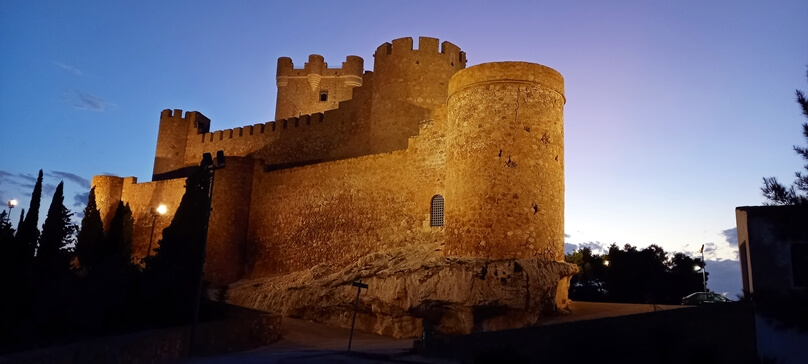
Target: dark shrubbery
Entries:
(54, 293)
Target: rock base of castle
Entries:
(414, 287)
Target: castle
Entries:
(421, 150)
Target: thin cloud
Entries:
(595, 246)
(48, 189)
(732, 236)
(28, 177)
(567, 236)
(85, 101)
(68, 68)
(80, 199)
(81, 181)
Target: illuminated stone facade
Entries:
(354, 159)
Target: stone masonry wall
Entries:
(333, 213)
(334, 134)
(408, 84)
(142, 197)
(299, 90)
(229, 216)
(505, 162)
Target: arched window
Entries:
(436, 217)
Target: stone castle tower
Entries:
(420, 151)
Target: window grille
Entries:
(436, 218)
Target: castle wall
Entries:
(142, 198)
(230, 211)
(408, 84)
(505, 162)
(334, 134)
(300, 90)
(333, 213)
(172, 139)
(334, 181)
(108, 191)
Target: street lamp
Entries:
(703, 268)
(210, 169)
(11, 204)
(159, 211)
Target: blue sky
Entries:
(675, 110)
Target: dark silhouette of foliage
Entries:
(796, 194)
(48, 304)
(91, 236)
(6, 230)
(173, 272)
(28, 233)
(57, 232)
(588, 284)
(118, 243)
(22, 218)
(630, 275)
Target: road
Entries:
(308, 342)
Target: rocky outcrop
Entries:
(455, 295)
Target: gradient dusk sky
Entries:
(675, 109)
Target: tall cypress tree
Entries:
(172, 273)
(7, 246)
(57, 232)
(91, 235)
(118, 244)
(22, 218)
(28, 233)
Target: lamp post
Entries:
(159, 211)
(11, 204)
(703, 269)
(210, 169)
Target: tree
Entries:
(118, 243)
(797, 194)
(6, 231)
(588, 284)
(91, 235)
(57, 233)
(173, 272)
(28, 233)
(631, 275)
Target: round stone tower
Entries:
(407, 85)
(505, 162)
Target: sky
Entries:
(675, 110)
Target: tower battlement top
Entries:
(404, 46)
(353, 66)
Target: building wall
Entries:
(330, 187)
(334, 213)
(172, 139)
(505, 162)
(318, 137)
(142, 198)
(408, 84)
(767, 236)
(299, 90)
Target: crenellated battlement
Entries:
(316, 68)
(264, 128)
(426, 45)
(194, 119)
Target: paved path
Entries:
(308, 342)
(595, 310)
